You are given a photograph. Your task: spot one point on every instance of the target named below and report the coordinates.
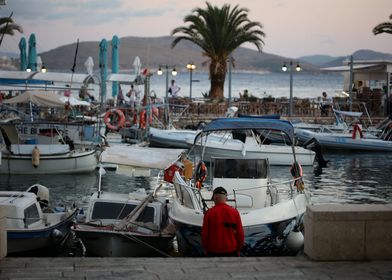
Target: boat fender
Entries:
(57, 234)
(296, 172)
(357, 130)
(200, 174)
(35, 157)
(142, 119)
(114, 119)
(295, 240)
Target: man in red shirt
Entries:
(222, 233)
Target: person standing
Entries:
(326, 103)
(132, 97)
(222, 233)
(174, 89)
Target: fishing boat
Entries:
(126, 225)
(31, 224)
(271, 211)
(28, 157)
(252, 143)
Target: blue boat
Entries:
(271, 211)
(31, 225)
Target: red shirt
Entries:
(222, 230)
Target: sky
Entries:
(293, 28)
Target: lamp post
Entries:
(230, 61)
(190, 66)
(160, 72)
(285, 68)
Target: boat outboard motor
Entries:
(42, 194)
(315, 146)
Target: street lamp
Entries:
(284, 69)
(190, 66)
(160, 72)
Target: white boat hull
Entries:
(73, 162)
(345, 142)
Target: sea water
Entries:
(348, 178)
(305, 84)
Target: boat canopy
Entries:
(348, 113)
(272, 116)
(250, 123)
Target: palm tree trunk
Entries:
(217, 77)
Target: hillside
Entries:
(157, 51)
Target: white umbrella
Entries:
(89, 64)
(137, 65)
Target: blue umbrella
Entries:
(32, 53)
(103, 47)
(23, 54)
(115, 62)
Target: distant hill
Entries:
(157, 51)
(318, 60)
(358, 55)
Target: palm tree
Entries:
(8, 26)
(218, 32)
(384, 27)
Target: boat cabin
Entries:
(244, 179)
(108, 208)
(22, 210)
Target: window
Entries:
(31, 215)
(240, 168)
(117, 211)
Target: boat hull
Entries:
(108, 243)
(260, 240)
(265, 229)
(74, 162)
(29, 240)
(345, 142)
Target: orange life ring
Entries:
(200, 174)
(357, 129)
(296, 172)
(114, 119)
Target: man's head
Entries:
(219, 195)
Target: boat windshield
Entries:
(240, 168)
(117, 211)
(31, 214)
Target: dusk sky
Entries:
(293, 28)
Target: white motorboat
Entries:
(271, 212)
(344, 141)
(170, 138)
(31, 224)
(20, 157)
(126, 225)
(253, 144)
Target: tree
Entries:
(384, 27)
(218, 32)
(8, 26)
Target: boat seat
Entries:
(240, 200)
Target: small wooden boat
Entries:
(126, 225)
(30, 224)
